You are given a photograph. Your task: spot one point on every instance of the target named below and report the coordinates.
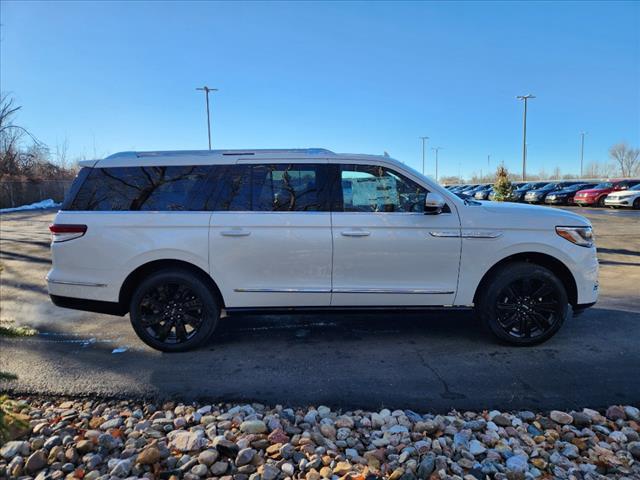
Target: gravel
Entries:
(108, 440)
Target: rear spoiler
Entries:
(88, 163)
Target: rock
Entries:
(225, 447)
(208, 457)
(253, 426)
(113, 423)
(560, 417)
(426, 466)
(199, 470)
(245, 456)
(634, 449)
(149, 456)
(84, 446)
(268, 472)
(632, 412)
(476, 448)
(517, 463)
(278, 436)
(616, 412)
(13, 448)
(501, 420)
(342, 468)
(581, 419)
(219, 468)
(526, 416)
(36, 462)
(287, 469)
(122, 468)
(186, 441)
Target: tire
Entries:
(523, 304)
(636, 204)
(600, 202)
(174, 311)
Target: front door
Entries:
(387, 251)
(270, 235)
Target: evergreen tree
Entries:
(502, 186)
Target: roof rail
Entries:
(249, 151)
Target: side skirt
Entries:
(349, 309)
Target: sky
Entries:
(351, 77)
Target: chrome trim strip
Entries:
(283, 290)
(78, 284)
(481, 234)
(445, 234)
(424, 291)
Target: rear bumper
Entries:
(97, 306)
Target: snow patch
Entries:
(48, 203)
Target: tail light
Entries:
(62, 232)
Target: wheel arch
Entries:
(542, 259)
(146, 269)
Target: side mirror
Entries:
(433, 204)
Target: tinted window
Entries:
(267, 188)
(367, 188)
(140, 188)
(287, 188)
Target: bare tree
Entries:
(626, 158)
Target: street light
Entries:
(582, 134)
(524, 135)
(424, 139)
(206, 94)
(436, 149)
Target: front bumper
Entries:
(556, 200)
(619, 202)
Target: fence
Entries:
(14, 194)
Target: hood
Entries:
(594, 190)
(506, 214)
(623, 193)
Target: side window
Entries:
(228, 189)
(139, 188)
(288, 188)
(368, 188)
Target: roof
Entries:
(203, 157)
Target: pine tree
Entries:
(502, 186)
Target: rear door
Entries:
(387, 252)
(270, 234)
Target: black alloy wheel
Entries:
(173, 310)
(524, 304)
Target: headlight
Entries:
(582, 236)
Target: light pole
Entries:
(582, 134)
(524, 134)
(206, 94)
(436, 149)
(424, 141)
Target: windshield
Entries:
(526, 186)
(635, 187)
(548, 186)
(603, 186)
(539, 186)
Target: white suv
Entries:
(179, 239)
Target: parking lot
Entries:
(424, 361)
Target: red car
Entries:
(596, 195)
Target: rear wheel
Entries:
(173, 311)
(524, 304)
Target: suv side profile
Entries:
(180, 239)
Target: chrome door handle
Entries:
(355, 233)
(235, 233)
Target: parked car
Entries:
(596, 195)
(537, 195)
(518, 194)
(483, 194)
(624, 198)
(175, 238)
(566, 195)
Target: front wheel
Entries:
(600, 202)
(524, 304)
(173, 311)
(636, 204)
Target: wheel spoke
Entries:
(149, 320)
(541, 322)
(164, 330)
(506, 306)
(181, 332)
(191, 320)
(510, 321)
(542, 291)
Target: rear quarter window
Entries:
(140, 188)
